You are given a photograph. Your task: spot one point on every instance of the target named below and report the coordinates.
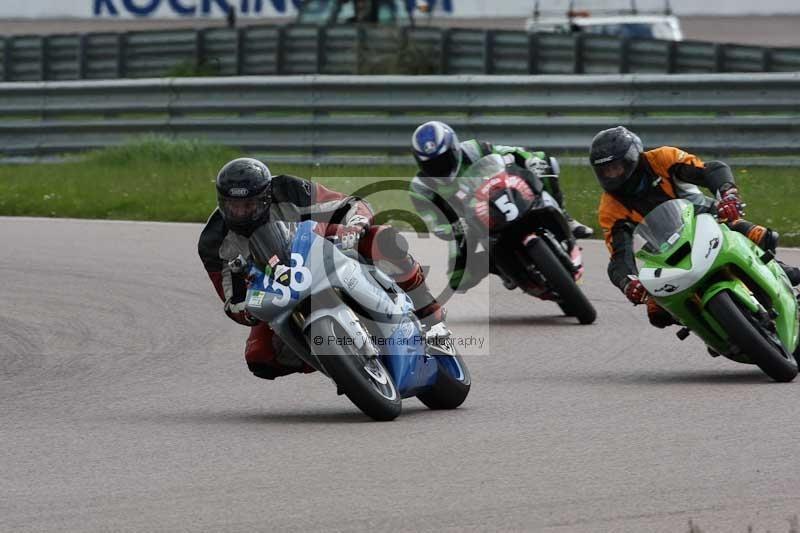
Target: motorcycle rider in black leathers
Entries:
(247, 197)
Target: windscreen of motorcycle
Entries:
(486, 167)
(662, 227)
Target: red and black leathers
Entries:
(294, 200)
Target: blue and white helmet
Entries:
(437, 150)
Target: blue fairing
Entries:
(303, 238)
(404, 356)
(256, 278)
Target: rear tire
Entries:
(346, 366)
(572, 300)
(448, 392)
(749, 338)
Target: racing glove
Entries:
(729, 207)
(359, 221)
(346, 237)
(634, 290)
(537, 165)
(238, 312)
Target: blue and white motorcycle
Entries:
(351, 322)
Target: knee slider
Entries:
(391, 244)
(264, 371)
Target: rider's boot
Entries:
(509, 284)
(426, 308)
(767, 240)
(385, 243)
(579, 230)
(792, 272)
(658, 316)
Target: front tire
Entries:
(749, 338)
(571, 299)
(362, 378)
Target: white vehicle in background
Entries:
(629, 23)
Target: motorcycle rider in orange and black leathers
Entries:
(636, 181)
(249, 196)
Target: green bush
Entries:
(189, 68)
(157, 149)
(408, 58)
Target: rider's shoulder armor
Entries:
(211, 239)
(293, 190)
(419, 187)
(472, 150)
(662, 159)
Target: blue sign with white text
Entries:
(145, 8)
(189, 8)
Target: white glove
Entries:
(537, 165)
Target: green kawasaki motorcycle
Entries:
(721, 286)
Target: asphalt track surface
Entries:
(125, 405)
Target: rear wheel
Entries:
(570, 297)
(452, 385)
(752, 339)
(361, 376)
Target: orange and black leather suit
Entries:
(662, 174)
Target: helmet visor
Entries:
(444, 166)
(613, 174)
(243, 211)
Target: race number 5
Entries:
(508, 208)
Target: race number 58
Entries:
(299, 280)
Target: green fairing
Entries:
(738, 265)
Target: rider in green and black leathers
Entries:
(442, 159)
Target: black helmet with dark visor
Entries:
(614, 157)
(244, 194)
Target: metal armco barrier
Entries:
(319, 117)
(288, 50)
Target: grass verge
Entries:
(153, 179)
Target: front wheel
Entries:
(362, 377)
(750, 338)
(570, 297)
